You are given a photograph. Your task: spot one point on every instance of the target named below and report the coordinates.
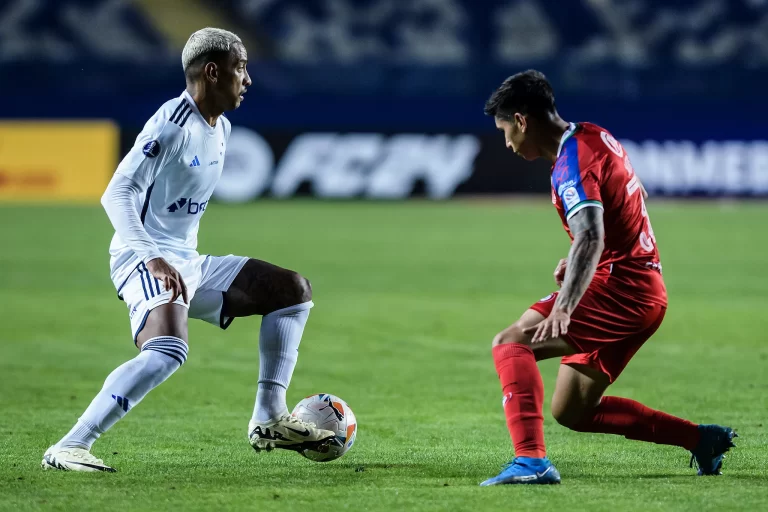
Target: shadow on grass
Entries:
(664, 476)
(363, 466)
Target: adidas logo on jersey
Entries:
(193, 208)
(195, 162)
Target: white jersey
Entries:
(176, 161)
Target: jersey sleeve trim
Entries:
(574, 176)
(580, 206)
(181, 114)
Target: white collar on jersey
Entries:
(185, 95)
(568, 133)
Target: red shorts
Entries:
(607, 327)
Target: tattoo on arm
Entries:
(588, 232)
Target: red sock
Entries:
(633, 420)
(523, 397)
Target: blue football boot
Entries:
(710, 452)
(526, 470)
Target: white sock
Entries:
(279, 341)
(125, 387)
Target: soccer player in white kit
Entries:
(155, 201)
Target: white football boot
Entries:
(290, 433)
(73, 459)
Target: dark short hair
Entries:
(528, 92)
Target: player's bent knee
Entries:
(164, 320)
(512, 334)
(303, 288)
(564, 416)
(570, 415)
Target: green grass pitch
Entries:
(408, 297)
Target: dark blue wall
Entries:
(690, 69)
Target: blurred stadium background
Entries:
(383, 98)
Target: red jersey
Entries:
(593, 170)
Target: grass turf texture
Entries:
(408, 298)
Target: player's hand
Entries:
(170, 277)
(560, 271)
(552, 327)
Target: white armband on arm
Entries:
(119, 201)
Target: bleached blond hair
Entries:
(207, 40)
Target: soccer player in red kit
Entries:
(612, 296)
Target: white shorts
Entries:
(206, 277)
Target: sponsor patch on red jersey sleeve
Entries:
(574, 178)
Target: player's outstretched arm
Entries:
(588, 233)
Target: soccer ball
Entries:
(331, 413)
